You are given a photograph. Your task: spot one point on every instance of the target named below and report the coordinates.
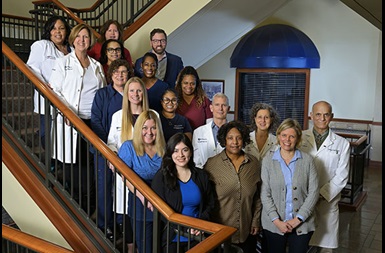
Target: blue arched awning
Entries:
(275, 46)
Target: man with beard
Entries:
(169, 64)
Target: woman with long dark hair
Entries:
(184, 188)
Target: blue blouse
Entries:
(145, 167)
(191, 198)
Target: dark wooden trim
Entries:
(376, 123)
(375, 164)
(16, 17)
(31, 242)
(59, 217)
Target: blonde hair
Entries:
(127, 122)
(137, 140)
(291, 123)
(76, 30)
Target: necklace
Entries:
(169, 119)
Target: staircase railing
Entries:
(22, 124)
(125, 12)
(15, 240)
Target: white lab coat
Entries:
(66, 81)
(204, 144)
(332, 163)
(114, 143)
(41, 60)
(270, 145)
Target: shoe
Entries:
(110, 234)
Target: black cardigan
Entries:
(174, 198)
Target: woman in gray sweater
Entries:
(289, 193)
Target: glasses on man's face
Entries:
(167, 100)
(163, 41)
(110, 50)
(118, 73)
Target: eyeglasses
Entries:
(157, 41)
(167, 100)
(118, 73)
(110, 50)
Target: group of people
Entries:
(272, 179)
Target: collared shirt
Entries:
(320, 138)
(162, 67)
(215, 129)
(238, 193)
(288, 172)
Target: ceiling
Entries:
(371, 10)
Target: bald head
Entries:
(321, 115)
(322, 103)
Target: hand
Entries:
(195, 232)
(150, 206)
(141, 198)
(110, 166)
(254, 231)
(283, 226)
(67, 121)
(294, 222)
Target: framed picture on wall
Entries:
(213, 86)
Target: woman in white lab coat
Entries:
(75, 78)
(42, 58)
(135, 101)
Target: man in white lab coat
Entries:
(331, 156)
(204, 139)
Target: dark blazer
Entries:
(174, 66)
(174, 198)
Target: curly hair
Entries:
(199, 92)
(168, 167)
(240, 126)
(115, 65)
(273, 115)
(50, 24)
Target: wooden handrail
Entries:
(31, 242)
(16, 17)
(220, 232)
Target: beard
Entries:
(159, 50)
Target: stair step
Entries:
(22, 120)
(16, 89)
(22, 103)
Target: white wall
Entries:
(17, 202)
(350, 75)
